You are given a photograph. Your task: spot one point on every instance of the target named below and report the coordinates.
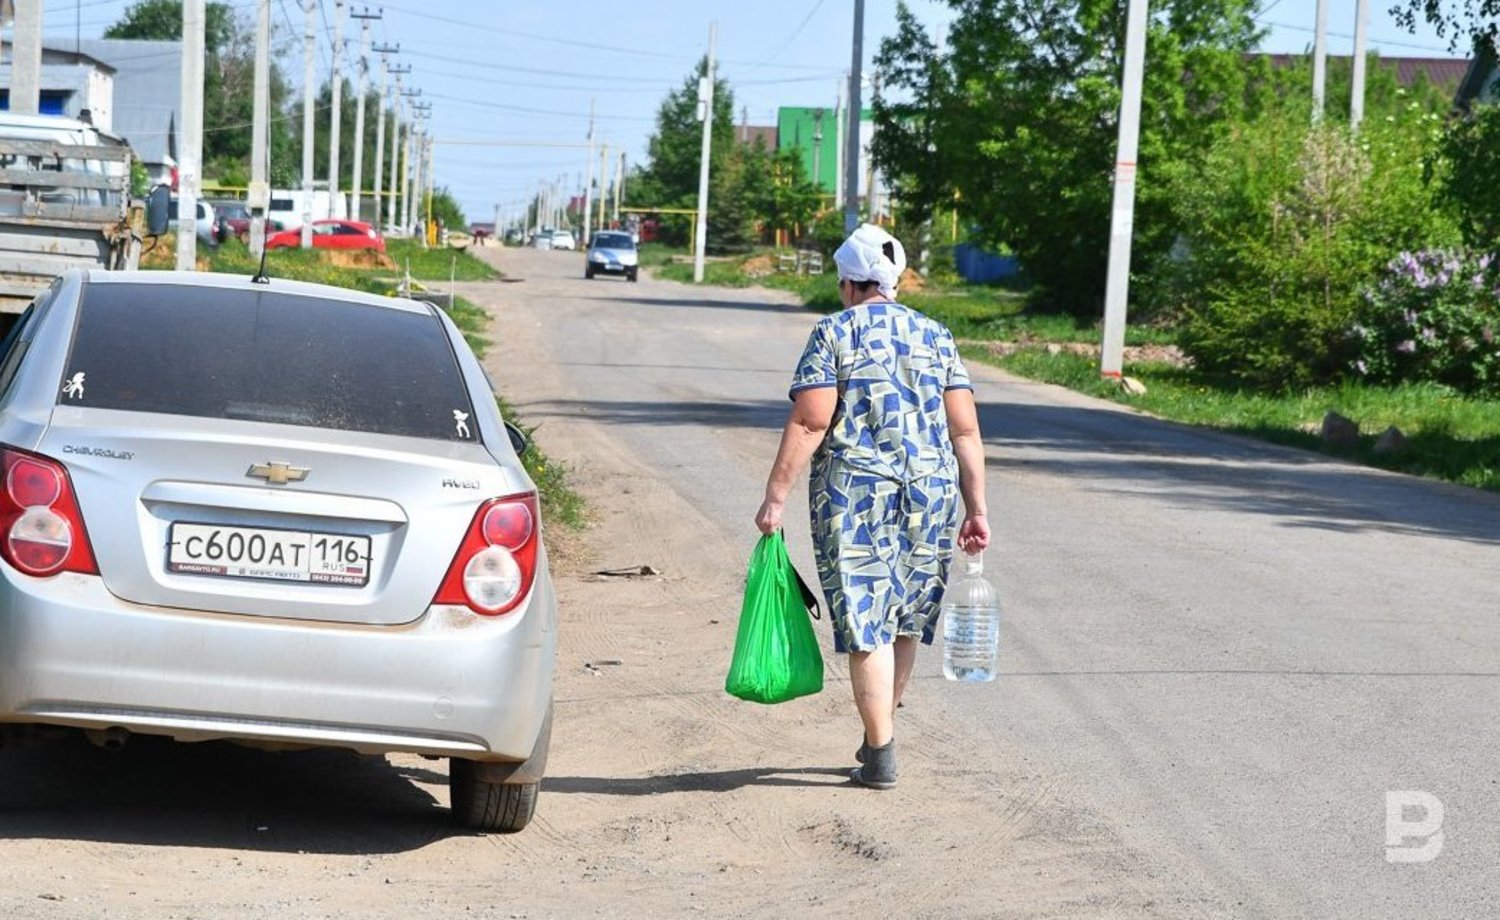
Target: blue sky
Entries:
(523, 70)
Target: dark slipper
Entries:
(879, 769)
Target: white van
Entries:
(285, 212)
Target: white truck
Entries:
(64, 203)
(286, 208)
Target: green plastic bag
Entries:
(776, 655)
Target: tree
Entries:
(322, 107)
(161, 20)
(1472, 148)
(916, 170)
(1477, 21)
(228, 86)
(670, 178)
(1017, 116)
(445, 208)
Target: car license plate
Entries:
(279, 555)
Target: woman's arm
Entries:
(968, 446)
(812, 411)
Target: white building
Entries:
(73, 83)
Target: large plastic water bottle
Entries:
(971, 625)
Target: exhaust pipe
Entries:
(111, 739)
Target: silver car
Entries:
(612, 252)
(274, 513)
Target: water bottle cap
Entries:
(974, 565)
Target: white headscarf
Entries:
(863, 257)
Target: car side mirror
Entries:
(518, 440)
(157, 205)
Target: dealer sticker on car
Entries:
(283, 555)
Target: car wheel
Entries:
(588, 274)
(632, 275)
(486, 806)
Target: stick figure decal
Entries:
(73, 389)
(461, 420)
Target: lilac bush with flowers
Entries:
(1433, 316)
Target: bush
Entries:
(1434, 317)
(1284, 228)
(1472, 148)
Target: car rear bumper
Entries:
(450, 683)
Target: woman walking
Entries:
(882, 406)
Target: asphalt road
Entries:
(1228, 652)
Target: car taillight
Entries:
(496, 563)
(39, 517)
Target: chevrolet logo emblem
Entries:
(278, 474)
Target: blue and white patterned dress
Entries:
(884, 486)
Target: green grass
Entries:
(651, 255)
(975, 312)
(1449, 436)
(560, 504)
(435, 264)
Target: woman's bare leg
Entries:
(873, 675)
(906, 659)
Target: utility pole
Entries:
(588, 187)
(190, 152)
(412, 210)
(390, 203)
(1320, 59)
(619, 185)
(706, 103)
(309, 97)
(603, 183)
(817, 170)
(379, 137)
(364, 18)
(870, 170)
(258, 199)
(335, 118)
(409, 168)
(838, 143)
(26, 58)
(403, 175)
(851, 133)
(1117, 283)
(425, 185)
(1357, 84)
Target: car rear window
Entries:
(268, 357)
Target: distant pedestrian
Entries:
(883, 408)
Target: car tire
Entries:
(503, 807)
(588, 274)
(631, 276)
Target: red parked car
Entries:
(331, 234)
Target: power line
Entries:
(488, 65)
(534, 37)
(1373, 41)
(1267, 11)
(575, 43)
(790, 38)
(526, 110)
